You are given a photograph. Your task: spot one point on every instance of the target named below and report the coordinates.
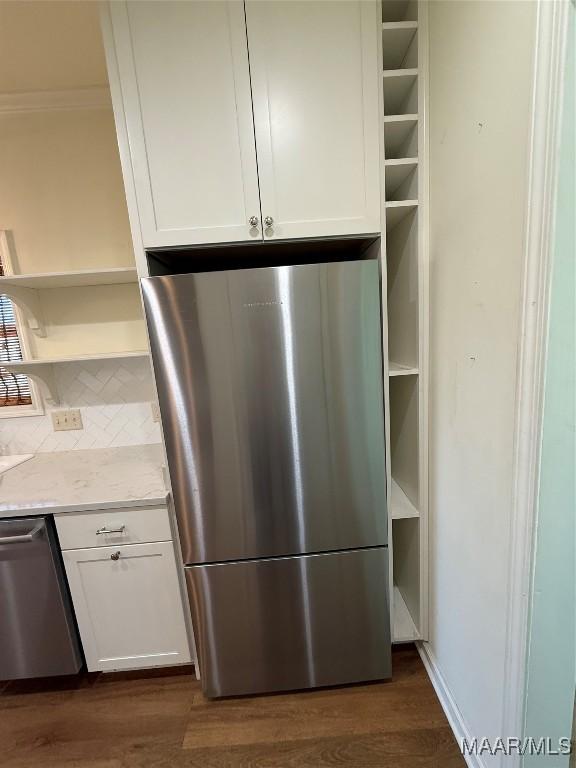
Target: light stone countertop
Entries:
(72, 481)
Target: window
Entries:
(18, 396)
(14, 387)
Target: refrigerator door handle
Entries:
(23, 538)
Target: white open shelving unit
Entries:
(405, 280)
(25, 291)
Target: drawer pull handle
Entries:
(115, 556)
(104, 530)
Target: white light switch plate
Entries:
(65, 420)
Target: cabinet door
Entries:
(129, 608)
(186, 94)
(314, 73)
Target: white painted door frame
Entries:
(550, 47)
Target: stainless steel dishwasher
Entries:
(38, 634)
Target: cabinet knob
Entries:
(253, 221)
(115, 556)
(268, 221)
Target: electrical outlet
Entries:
(64, 420)
(155, 411)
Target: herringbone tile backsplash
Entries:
(114, 398)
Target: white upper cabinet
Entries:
(235, 111)
(185, 83)
(314, 76)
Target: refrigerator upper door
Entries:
(270, 388)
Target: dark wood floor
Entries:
(161, 720)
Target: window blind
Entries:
(14, 387)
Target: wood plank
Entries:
(421, 749)
(160, 719)
(312, 715)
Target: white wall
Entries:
(481, 59)
(61, 190)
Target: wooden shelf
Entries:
(21, 364)
(403, 627)
(42, 371)
(397, 369)
(401, 162)
(410, 118)
(399, 44)
(401, 507)
(400, 178)
(400, 91)
(400, 74)
(391, 25)
(396, 210)
(78, 279)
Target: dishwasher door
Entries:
(38, 634)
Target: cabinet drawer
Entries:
(80, 530)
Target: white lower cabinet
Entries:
(128, 605)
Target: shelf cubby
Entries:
(397, 211)
(399, 10)
(401, 508)
(399, 44)
(400, 136)
(406, 575)
(399, 369)
(400, 91)
(404, 435)
(403, 292)
(403, 627)
(401, 179)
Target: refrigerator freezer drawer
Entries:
(290, 623)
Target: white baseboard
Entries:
(453, 714)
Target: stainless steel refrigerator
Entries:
(270, 389)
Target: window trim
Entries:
(37, 407)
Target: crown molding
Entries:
(97, 97)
